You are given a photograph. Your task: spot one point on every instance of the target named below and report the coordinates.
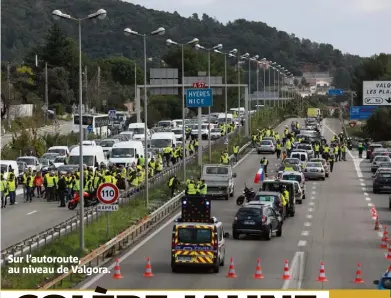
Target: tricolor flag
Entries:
(259, 176)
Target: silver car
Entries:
(266, 146)
(314, 170)
(325, 164)
(377, 161)
(308, 148)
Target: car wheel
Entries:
(279, 231)
(173, 269)
(323, 178)
(304, 197)
(216, 268)
(259, 152)
(232, 193)
(222, 263)
(235, 235)
(226, 197)
(389, 205)
(327, 175)
(299, 202)
(374, 191)
(268, 234)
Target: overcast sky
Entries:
(354, 26)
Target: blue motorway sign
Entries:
(335, 92)
(199, 97)
(361, 112)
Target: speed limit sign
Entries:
(107, 193)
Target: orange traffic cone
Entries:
(377, 226)
(322, 273)
(286, 275)
(117, 270)
(389, 269)
(373, 209)
(384, 241)
(385, 230)
(231, 270)
(388, 255)
(148, 269)
(258, 270)
(358, 279)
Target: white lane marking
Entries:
(296, 272)
(368, 199)
(310, 209)
(363, 189)
(307, 224)
(313, 192)
(361, 180)
(311, 203)
(97, 277)
(315, 183)
(305, 233)
(370, 204)
(313, 187)
(362, 184)
(32, 212)
(309, 216)
(313, 198)
(366, 194)
(302, 243)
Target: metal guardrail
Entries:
(41, 239)
(106, 251)
(130, 235)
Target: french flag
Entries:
(259, 176)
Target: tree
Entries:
(121, 70)
(378, 126)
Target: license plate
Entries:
(314, 170)
(387, 187)
(249, 222)
(184, 258)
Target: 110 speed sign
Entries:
(107, 193)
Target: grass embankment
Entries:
(355, 131)
(128, 215)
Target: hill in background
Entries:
(25, 23)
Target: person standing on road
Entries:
(3, 191)
(343, 151)
(173, 185)
(317, 150)
(331, 162)
(264, 162)
(278, 149)
(38, 181)
(12, 189)
(360, 149)
(235, 150)
(62, 186)
(29, 187)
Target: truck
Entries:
(313, 112)
(219, 180)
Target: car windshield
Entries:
(299, 156)
(59, 151)
(164, 123)
(177, 131)
(4, 168)
(266, 142)
(249, 212)
(216, 130)
(122, 152)
(381, 158)
(88, 160)
(137, 131)
(319, 160)
(385, 175)
(292, 177)
(60, 159)
(68, 168)
(293, 161)
(376, 147)
(385, 165)
(107, 143)
(194, 236)
(161, 143)
(217, 171)
(28, 161)
(44, 161)
(304, 146)
(265, 198)
(314, 165)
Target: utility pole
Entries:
(46, 93)
(86, 88)
(98, 85)
(9, 93)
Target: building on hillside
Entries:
(315, 78)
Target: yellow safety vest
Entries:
(3, 186)
(50, 181)
(316, 148)
(203, 189)
(76, 185)
(11, 185)
(108, 179)
(191, 190)
(171, 181)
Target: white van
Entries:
(162, 140)
(92, 155)
(177, 123)
(124, 153)
(166, 123)
(138, 130)
(89, 143)
(5, 164)
(31, 161)
(61, 150)
(107, 144)
(302, 156)
(221, 118)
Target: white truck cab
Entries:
(124, 153)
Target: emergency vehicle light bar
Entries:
(196, 209)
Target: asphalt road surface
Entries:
(333, 225)
(63, 128)
(24, 220)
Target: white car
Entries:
(215, 133)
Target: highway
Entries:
(24, 220)
(63, 128)
(333, 225)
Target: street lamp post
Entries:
(128, 32)
(278, 84)
(100, 14)
(232, 52)
(217, 47)
(255, 58)
(264, 80)
(170, 42)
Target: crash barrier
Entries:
(40, 240)
(105, 252)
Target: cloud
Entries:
(371, 6)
